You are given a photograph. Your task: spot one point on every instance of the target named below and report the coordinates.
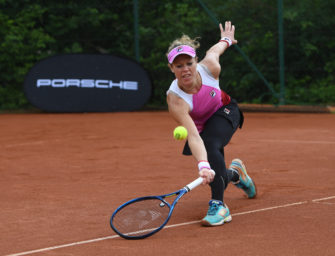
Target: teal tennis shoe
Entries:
(245, 182)
(217, 214)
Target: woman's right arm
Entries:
(179, 110)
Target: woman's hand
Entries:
(207, 175)
(229, 31)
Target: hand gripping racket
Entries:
(144, 216)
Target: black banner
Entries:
(87, 83)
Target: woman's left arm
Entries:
(211, 60)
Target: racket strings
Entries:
(141, 217)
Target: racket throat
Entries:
(187, 189)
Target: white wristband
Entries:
(226, 40)
(203, 165)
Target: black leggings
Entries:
(217, 133)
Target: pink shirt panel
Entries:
(205, 103)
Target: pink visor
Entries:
(181, 49)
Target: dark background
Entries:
(81, 99)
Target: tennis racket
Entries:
(144, 216)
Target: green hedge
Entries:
(32, 30)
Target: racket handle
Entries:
(196, 183)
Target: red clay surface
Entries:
(63, 175)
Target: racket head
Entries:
(141, 217)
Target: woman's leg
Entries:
(216, 135)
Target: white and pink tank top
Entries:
(206, 101)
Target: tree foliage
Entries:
(31, 30)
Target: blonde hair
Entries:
(184, 40)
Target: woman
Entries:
(210, 116)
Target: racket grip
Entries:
(196, 182)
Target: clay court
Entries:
(63, 175)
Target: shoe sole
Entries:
(244, 175)
(225, 220)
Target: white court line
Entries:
(168, 226)
(322, 199)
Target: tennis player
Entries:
(210, 116)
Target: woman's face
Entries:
(185, 69)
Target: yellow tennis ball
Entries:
(180, 133)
